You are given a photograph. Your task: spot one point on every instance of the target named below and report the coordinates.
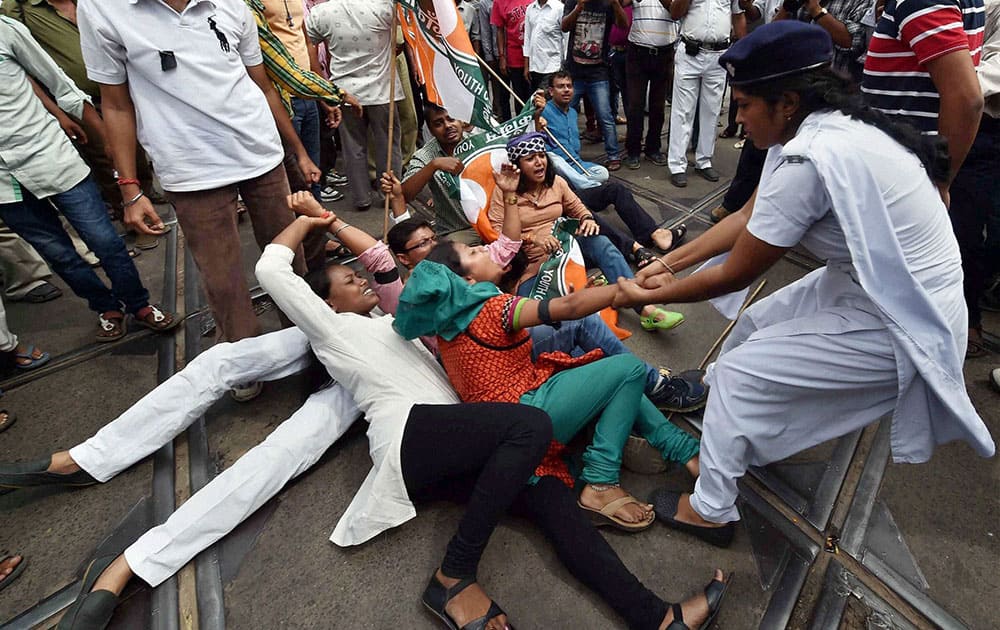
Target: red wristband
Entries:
(122, 181)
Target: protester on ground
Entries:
(543, 41)
(589, 26)
(649, 70)
(361, 50)
(41, 173)
(879, 330)
(699, 81)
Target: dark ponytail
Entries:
(444, 253)
(824, 89)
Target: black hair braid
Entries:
(823, 89)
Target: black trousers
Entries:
(496, 444)
(975, 209)
(519, 84)
(747, 176)
(653, 67)
(635, 218)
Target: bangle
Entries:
(664, 263)
(588, 217)
(123, 181)
(133, 200)
(510, 200)
(340, 229)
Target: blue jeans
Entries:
(600, 96)
(578, 336)
(37, 222)
(577, 180)
(306, 123)
(599, 251)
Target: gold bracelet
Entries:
(511, 200)
(664, 263)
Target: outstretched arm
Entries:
(573, 306)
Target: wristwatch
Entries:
(819, 16)
(510, 200)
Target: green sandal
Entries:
(661, 319)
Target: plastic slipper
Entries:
(606, 515)
(8, 420)
(42, 293)
(661, 319)
(715, 591)
(33, 362)
(4, 583)
(665, 506)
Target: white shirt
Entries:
(651, 25)
(769, 8)
(205, 123)
(357, 37)
(385, 373)
(34, 151)
(710, 20)
(543, 37)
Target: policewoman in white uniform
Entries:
(881, 329)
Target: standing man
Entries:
(489, 53)
(188, 79)
(508, 17)
(589, 24)
(921, 69)
(842, 20)
(361, 46)
(649, 65)
(543, 41)
(699, 80)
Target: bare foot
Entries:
(686, 514)
(630, 512)
(115, 577)
(693, 609)
(62, 464)
(472, 603)
(7, 566)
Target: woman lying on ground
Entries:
(541, 197)
(487, 352)
(879, 330)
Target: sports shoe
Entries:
(246, 391)
(682, 393)
(631, 163)
(329, 194)
(333, 178)
(657, 158)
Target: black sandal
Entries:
(677, 235)
(92, 610)
(714, 592)
(643, 256)
(437, 595)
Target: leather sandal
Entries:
(714, 592)
(606, 515)
(111, 326)
(155, 318)
(13, 575)
(436, 598)
(642, 257)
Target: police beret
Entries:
(776, 50)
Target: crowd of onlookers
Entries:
(224, 109)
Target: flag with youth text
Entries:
(481, 154)
(444, 60)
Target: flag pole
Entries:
(520, 103)
(732, 324)
(392, 115)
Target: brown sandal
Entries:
(156, 319)
(111, 326)
(606, 515)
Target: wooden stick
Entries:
(392, 114)
(732, 324)
(520, 103)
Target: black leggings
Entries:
(497, 444)
(638, 220)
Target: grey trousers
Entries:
(23, 269)
(354, 143)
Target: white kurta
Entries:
(385, 374)
(876, 331)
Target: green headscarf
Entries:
(436, 301)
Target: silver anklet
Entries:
(604, 487)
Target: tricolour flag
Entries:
(481, 154)
(444, 60)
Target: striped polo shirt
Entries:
(910, 34)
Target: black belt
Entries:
(713, 46)
(652, 51)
